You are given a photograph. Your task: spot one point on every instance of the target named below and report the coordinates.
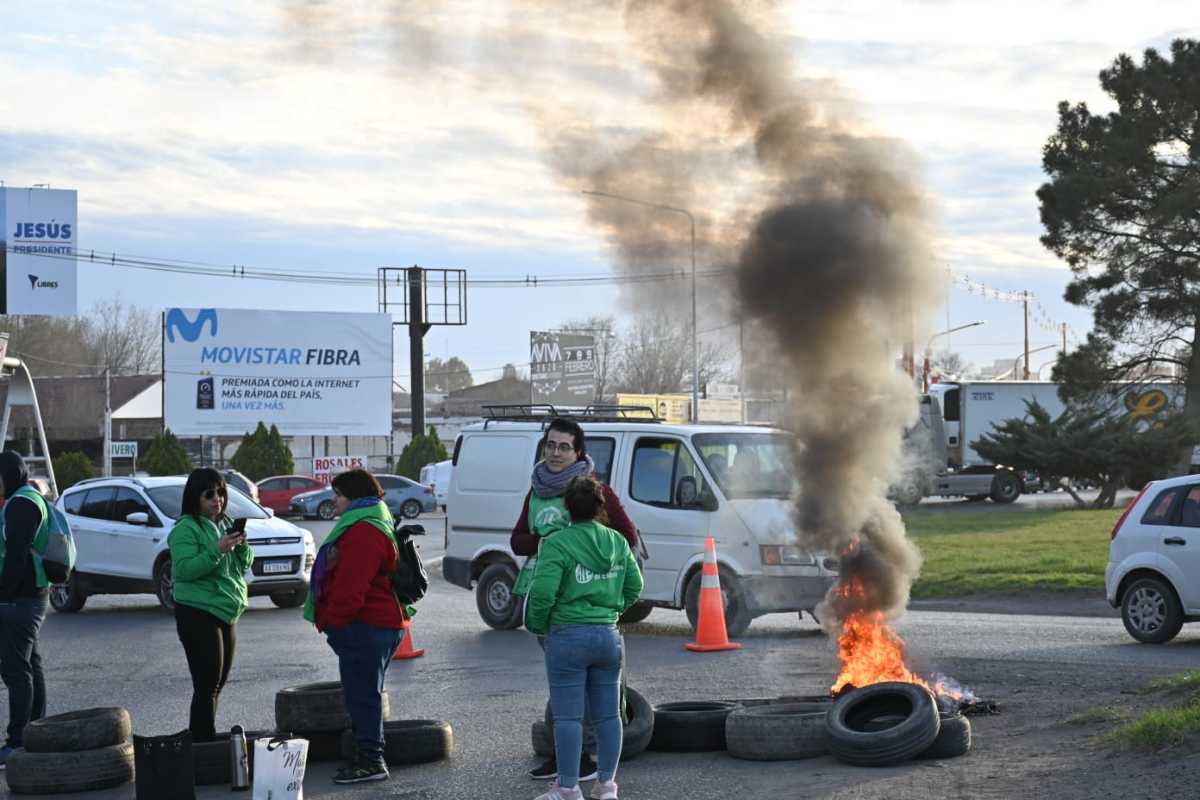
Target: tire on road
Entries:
(409, 741)
(635, 613)
(74, 731)
(953, 739)
(69, 597)
(1151, 610)
(542, 739)
(410, 509)
(777, 732)
(690, 726)
(497, 605)
(638, 730)
(315, 707)
(750, 702)
(211, 759)
(1006, 487)
(63, 773)
(849, 724)
(293, 598)
(164, 584)
(737, 611)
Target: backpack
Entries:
(55, 543)
(409, 580)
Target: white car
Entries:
(120, 527)
(1153, 572)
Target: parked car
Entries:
(1153, 572)
(120, 527)
(240, 482)
(404, 497)
(276, 493)
(437, 477)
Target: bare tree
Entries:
(447, 376)
(607, 344)
(125, 338)
(656, 357)
(50, 345)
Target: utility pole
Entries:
(1064, 338)
(417, 328)
(107, 422)
(1025, 303)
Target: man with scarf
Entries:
(24, 598)
(351, 601)
(564, 458)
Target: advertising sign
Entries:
(562, 368)
(123, 449)
(672, 408)
(309, 373)
(37, 251)
(325, 467)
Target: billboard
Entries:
(562, 368)
(674, 408)
(37, 251)
(325, 467)
(309, 373)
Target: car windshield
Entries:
(748, 464)
(169, 499)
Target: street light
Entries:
(1017, 361)
(929, 350)
(695, 340)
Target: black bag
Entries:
(164, 768)
(409, 581)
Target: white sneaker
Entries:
(558, 792)
(604, 790)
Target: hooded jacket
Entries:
(206, 578)
(586, 574)
(21, 519)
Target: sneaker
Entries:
(5, 752)
(559, 793)
(604, 790)
(360, 772)
(587, 768)
(546, 771)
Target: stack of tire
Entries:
(639, 729)
(79, 751)
(317, 712)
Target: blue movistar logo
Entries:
(177, 321)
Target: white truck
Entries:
(940, 460)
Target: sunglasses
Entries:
(211, 494)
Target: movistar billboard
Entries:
(37, 251)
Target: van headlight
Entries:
(775, 555)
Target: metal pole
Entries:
(742, 368)
(417, 327)
(1064, 338)
(107, 422)
(1025, 303)
(695, 330)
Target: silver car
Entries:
(404, 497)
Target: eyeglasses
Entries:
(211, 494)
(561, 447)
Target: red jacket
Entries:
(524, 542)
(356, 588)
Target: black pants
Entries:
(208, 643)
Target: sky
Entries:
(346, 137)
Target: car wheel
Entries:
(909, 494)
(410, 509)
(67, 598)
(326, 510)
(635, 613)
(1151, 611)
(164, 585)
(289, 599)
(498, 606)
(737, 612)
(1006, 488)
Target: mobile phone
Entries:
(239, 527)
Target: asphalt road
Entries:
(490, 685)
(1032, 501)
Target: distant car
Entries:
(1153, 572)
(120, 527)
(404, 497)
(240, 482)
(437, 477)
(276, 493)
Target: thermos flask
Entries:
(239, 759)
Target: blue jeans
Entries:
(364, 653)
(583, 663)
(20, 663)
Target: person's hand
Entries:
(229, 541)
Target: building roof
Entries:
(73, 406)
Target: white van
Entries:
(678, 483)
(437, 476)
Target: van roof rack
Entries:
(545, 412)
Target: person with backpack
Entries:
(209, 559)
(564, 458)
(585, 578)
(24, 597)
(351, 600)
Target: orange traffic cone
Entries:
(710, 622)
(405, 650)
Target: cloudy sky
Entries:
(342, 137)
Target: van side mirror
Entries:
(138, 518)
(410, 530)
(708, 501)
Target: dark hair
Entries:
(567, 425)
(584, 498)
(355, 484)
(200, 481)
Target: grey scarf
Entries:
(554, 484)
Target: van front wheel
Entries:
(498, 606)
(737, 611)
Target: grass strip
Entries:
(1160, 728)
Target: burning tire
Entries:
(690, 727)
(778, 732)
(854, 720)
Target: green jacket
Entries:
(585, 574)
(206, 578)
(39, 537)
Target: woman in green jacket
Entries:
(208, 563)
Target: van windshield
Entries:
(748, 464)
